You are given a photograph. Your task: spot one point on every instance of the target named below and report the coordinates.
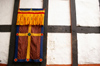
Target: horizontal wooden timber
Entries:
(59, 29)
(67, 29)
(5, 28)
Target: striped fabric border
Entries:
(41, 46)
(16, 46)
(30, 9)
(31, 13)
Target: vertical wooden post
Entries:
(73, 33)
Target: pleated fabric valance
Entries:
(30, 17)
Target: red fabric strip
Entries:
(59, 65)
(3, 64)
(31, 12)
(78, 65)
(88, 64)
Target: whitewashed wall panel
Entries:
(58, 12)
(31, 3)
(59, 48)
(87, 12)
(88, 48)
(6, 12)
(4, 46)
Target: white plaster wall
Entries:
(31, 3)
(58, 44)
(58, 48)
(87, 12)
(88, 48)
(6, 11)
(6, 14)
(4, 46)
(58, 12)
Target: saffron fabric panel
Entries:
(30, 17)
(29, 35)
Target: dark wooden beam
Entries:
(12, 37)
(59, 29)
(5, 28)
(99, 3)
(73, 33)
(67, 29)
(45, 6)
(88, 29)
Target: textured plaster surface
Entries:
(31, 3)
(58, 12)
(6, 11)
(59, 44)
(4, 46)
(59, 48)
(88, 48)
(87, 12)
